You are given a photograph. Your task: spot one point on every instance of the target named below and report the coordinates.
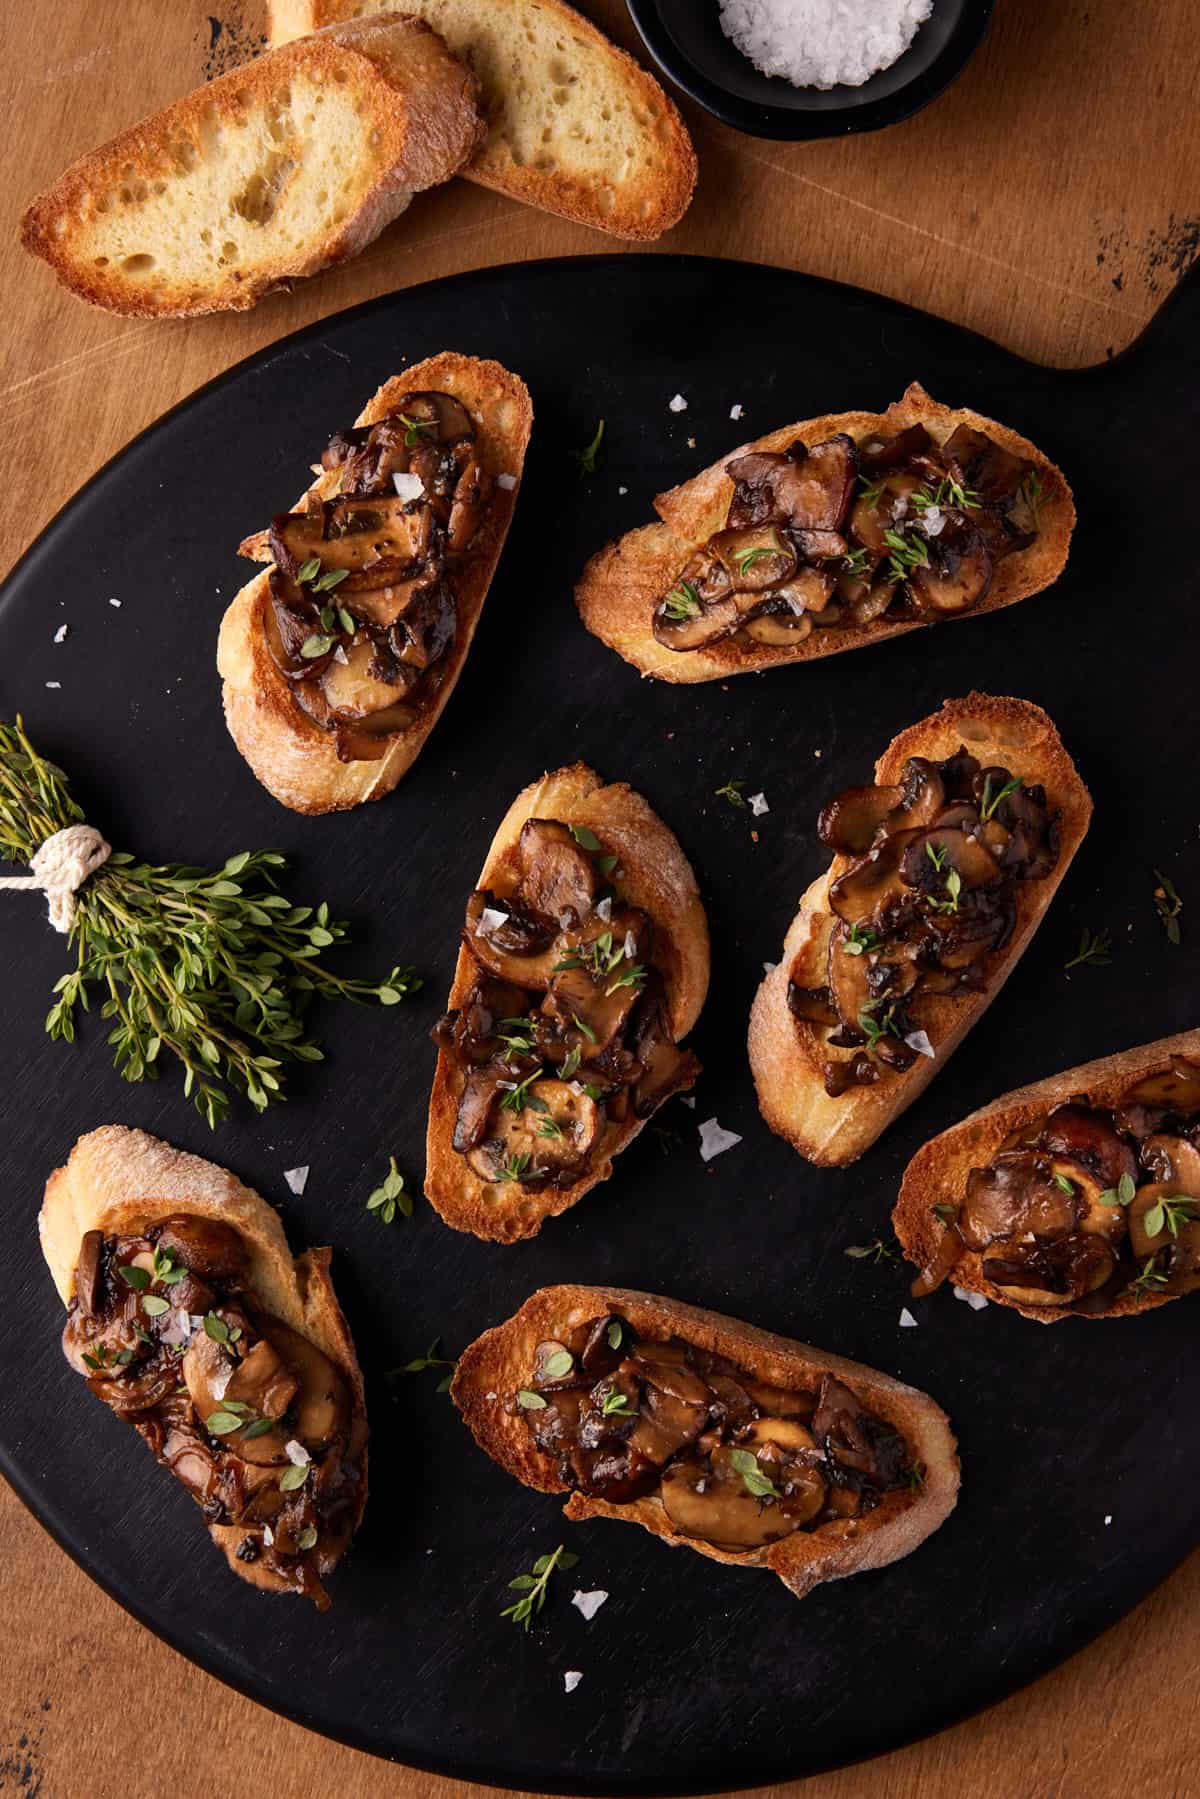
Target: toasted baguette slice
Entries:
(272, 171)
(575, 126)
(657, 877)
(788, 1055)
(492, 1368)
(123, 1181)
(622, 584)
(293, 758)
(938, 1172)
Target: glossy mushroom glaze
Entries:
(362, 611)
(564, 1034)
(1089, 1205)
(845, 532)
(251, 1417)
(927, 898)
(735, 1462)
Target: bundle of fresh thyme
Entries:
(215, 967)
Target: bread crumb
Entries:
(678, 404)
(691, 443)
(296, 1178)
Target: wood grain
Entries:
(1050, 200)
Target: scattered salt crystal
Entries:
(589, 1603)
(933, 521)
(339, 655)
(689, 1101)
(487, 1396)
(507, 482)
(409, 487)
(296, 1178)
(622, 490)
(604, 910)
(907, 1321)
(678, 404)
(919, 1040)
(1108, 1517)
(630, 946)
(60, 636)
(976, 1301)
(220, 1381)
(738, 411)
(770, 967)
(571, 1679)
(268, 1535)
(296, 1453)
(758, 804)
(715, 1140)
(490, 919)
(53, 683)
(116, 603)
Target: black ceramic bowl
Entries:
(686, 41)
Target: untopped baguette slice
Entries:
(575, 126)
(498, 1366)
(932, 1191)
(622, 584)
(789, 1055)
(651, 873)
(292, 756)
(121, 1183)
(274, 171)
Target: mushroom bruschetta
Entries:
(747, 1447)
(188, 1317)
(584, 961)
(1077, 1196)
(942, 871)
(337, 662)
(828, 535)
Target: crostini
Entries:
(584, 961)
(1078, 1196)
(942, 871)
(187, 1315)
(713, 1435)
(338, 660)
(828, 535)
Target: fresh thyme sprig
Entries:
(532, 1587)
(589, 457)
(683, 602)
(1093, 951)
(756, 1483)
(215, 968)
(732, 791)
(431, 1359)
(871, 1252)
(907, 553)
(1167, 904)
(390, 1196)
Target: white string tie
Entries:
(59, 868)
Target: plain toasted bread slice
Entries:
(788, 1055)
(122, 1181)
(938, 1172)
(492, 1368)
(293, 758)
(270, 172)
(622, 584)
(657, 877)
(575, 126)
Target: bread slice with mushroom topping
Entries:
(176, 1276)
(828, 1077)
(1077, 1196)
(314, 760)
(716, 1436)
(828, 535)
(583, 964)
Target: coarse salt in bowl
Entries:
(823, 43)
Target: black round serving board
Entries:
(1081, 1467)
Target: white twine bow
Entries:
(59, 868)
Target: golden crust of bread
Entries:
(622, 584)
(293, 758)
(657, 877)
(938, 1172)
(122, 1181)
(788, 1055)
(638, 201)
(492, 1368)
(423, 105)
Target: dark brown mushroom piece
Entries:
(1176, 1213)
(879, 455)
(607, 1343)
(814, 1005)
(707, 1498)
(1052, 1274)
(1014, 1195)
(951, 849)
(1088, 1137)
(665, 1068)
(558, 877)
(205, 1246)
(512, 943)
(1170, 1159)
(555, 1130)
(755, 558)
(1177, 1089)
(88, 1272)
(375, 538)
(958, 574)
(358, 683)
(781, 630)
(850, 822)
(480, 1094)
(693, 629)
(289, 622)
(981, 465)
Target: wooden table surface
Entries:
(1051, 201)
